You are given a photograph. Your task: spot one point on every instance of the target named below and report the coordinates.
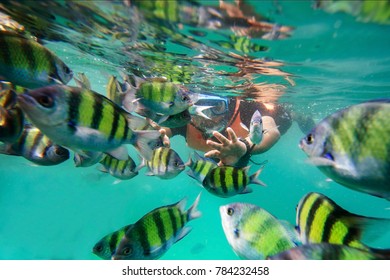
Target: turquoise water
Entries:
(60, 212)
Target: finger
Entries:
(221, 138)
(212, 153)
(214, 145)
(232, 135)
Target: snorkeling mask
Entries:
(213, 117)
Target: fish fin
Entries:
(320, 161)
(183, 233)
(254, 177)
(193, 212)
(192, 174)
(117, 181)
(141, 165)
(371, 229)
(149, 173)
(292, 232)
(137, 123)
(246, 190)
(120, 153)
(163, 118)
(181, 204)
(244, 126)
(198, 110)
(102, 168)
(141, 140)
(55, 79)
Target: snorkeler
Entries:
(223, 132)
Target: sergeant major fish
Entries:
(154, 234)
(161, 97)
(27, 63)
(106, 246)
(121, 169)
(165, 163)
(227, 181)
(81, 119)
(352, 147)
(319, 219)
(254, 233)
(36, 147)
(200, 167)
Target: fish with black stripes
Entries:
(11, 117)
(81, 119)
(155, 233)
(165, 163)
(27, 63)
(352, 147)
(319, 219)
(158, 99)
(254, 233)
(121, 169)
(106, 246)
(200, 167)
(36, 147)
(227, 181)
(328, 251)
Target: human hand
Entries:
(229, 151)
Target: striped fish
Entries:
(87, 158)
(319, 219)
(200, 167)
(327, 251)
(106, 246)
(156, 97)
(227, 181)
(36, 147)
(27, 63)
(81, 119)
(155, 233)
(11, 117)
(352, 147)
(242, 44)
(159, 9)
(121, 169)
(165, 163)
(253, 233)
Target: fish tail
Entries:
(141, 140)
(193, 212)
(254, 177)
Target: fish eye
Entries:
(67, 70)
(62, 152)
(230, 211)
(127, 251)
(46, 101)
(99, 248)
(310, 138)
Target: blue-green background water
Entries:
(60, 212)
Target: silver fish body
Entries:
(155, 233)
(352, 147)
(36, 147)
(81, 119)
(256, 128)
(253, 233)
